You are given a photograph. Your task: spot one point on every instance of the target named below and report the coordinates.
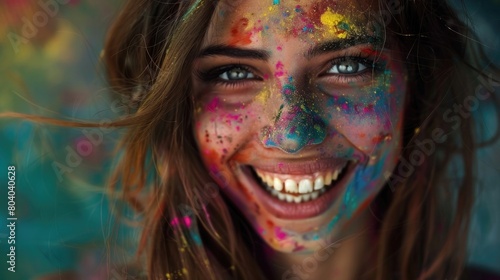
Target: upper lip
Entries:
(302, 167)
(308, 161)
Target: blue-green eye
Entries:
(347, 66)
(236, 73)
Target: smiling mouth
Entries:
(298, 188)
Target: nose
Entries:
(294, 127)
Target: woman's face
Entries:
(298, 114)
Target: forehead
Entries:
(245, 22)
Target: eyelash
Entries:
(213, 75)
(372, 68)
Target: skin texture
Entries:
(293, 106)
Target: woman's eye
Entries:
(236, 73)
(347, 66)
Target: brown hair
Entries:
(425, 214)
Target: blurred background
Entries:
(49, 65)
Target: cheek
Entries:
(220, 130)
(368, 117)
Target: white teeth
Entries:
(318, 183)
(278, 185)
(298, 190)
(335, 175)
(275, 193)
(290, 186)
(305, 186)
(281, 196)
(314, 195)
(328, 178)
(296, 198)
(269, 180)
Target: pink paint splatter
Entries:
(213, 105)
(298, 247)
(279, 70)
(236, 118)
(261, 230)
(280, 235)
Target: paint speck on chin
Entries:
(298, 247)
(280, 235)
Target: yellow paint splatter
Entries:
(333, 21)
(263, 95)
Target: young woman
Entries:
(298, 139)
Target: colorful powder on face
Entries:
(294, 129)
(279, 69)
(230, 118)
(276, 2)
(213, 105)
(288, 89)
(335, 23)
(347, 106)
(318, 8)
(365, 179)
(280, 235)
(263, 95)
(239, 35)
(298, 247)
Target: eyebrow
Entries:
(336, 45)
(230, 51)
(330, 46)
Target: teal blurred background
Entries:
(50, 66)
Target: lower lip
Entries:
(294, 211)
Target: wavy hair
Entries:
(424, 213)
(152, 45)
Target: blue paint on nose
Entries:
(294, 130)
